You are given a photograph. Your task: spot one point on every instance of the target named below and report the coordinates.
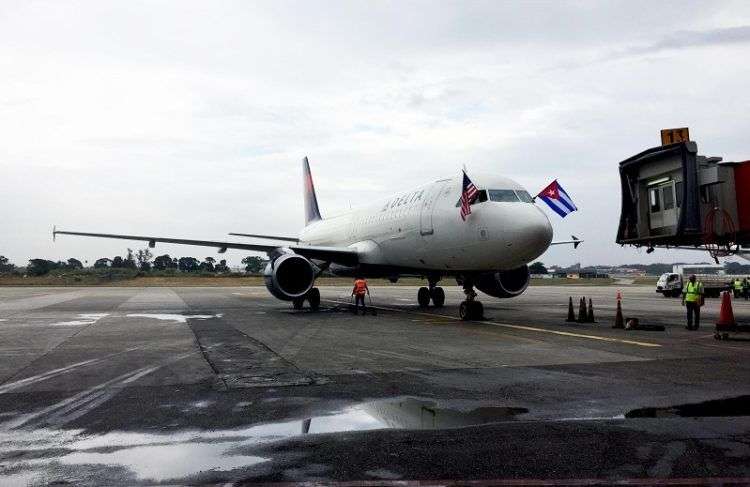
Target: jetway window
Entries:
(668, 197)
(678, 193)
(654, 200)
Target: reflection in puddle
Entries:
(410, 413)
(161, 457)
(733, 406)
(171, 461)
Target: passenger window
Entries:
(654, 200)
(524, 196)
(503, 195)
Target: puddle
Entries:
(83, 319)
(412, 413)
(179, 318)
(733, 406)
(162, 457)
(164, 462)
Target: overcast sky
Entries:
(189, 119)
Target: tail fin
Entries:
(312, 213)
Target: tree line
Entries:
(142, 261)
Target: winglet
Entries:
(54, 232)
(312, 212)
(576, 241)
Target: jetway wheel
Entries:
(423, 297)
(313, 297)
(438, 297)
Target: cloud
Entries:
(687, 39)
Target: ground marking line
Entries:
(520, 327)
(92, 397)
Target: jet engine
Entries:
(289, 276)
(505, 284)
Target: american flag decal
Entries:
(468, 193)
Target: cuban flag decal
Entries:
(557, 199)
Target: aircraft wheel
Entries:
(438, 297)
(423, 297)
(463, 311)
(313, 297)
(298, 302)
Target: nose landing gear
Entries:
(470, 309)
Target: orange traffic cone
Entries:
(590, 317)
(619, 320)
(571, 313)
(726, 315)
(582, 313)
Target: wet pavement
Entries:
(196, 385)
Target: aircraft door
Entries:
(428, 207)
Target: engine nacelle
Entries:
(290, 276)
(505, 284)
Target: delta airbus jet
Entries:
(422, 232)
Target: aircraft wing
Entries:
(344, 256)
(338, 255)
(575, 241)
(269, 237)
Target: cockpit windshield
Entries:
(501, 196)
(509, 196)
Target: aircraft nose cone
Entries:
(535, 234)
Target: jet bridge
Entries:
(674, 197)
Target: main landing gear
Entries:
(312, 297)
(433, 293)
(470, 309)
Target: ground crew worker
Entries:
(359, 291)
(737, 287)
(746, 288)
(692, 299)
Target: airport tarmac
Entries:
(194, 385)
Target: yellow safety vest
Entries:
(693, 291)
(738, 284)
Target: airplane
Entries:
(419, 232)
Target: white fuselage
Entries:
(423, 229)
